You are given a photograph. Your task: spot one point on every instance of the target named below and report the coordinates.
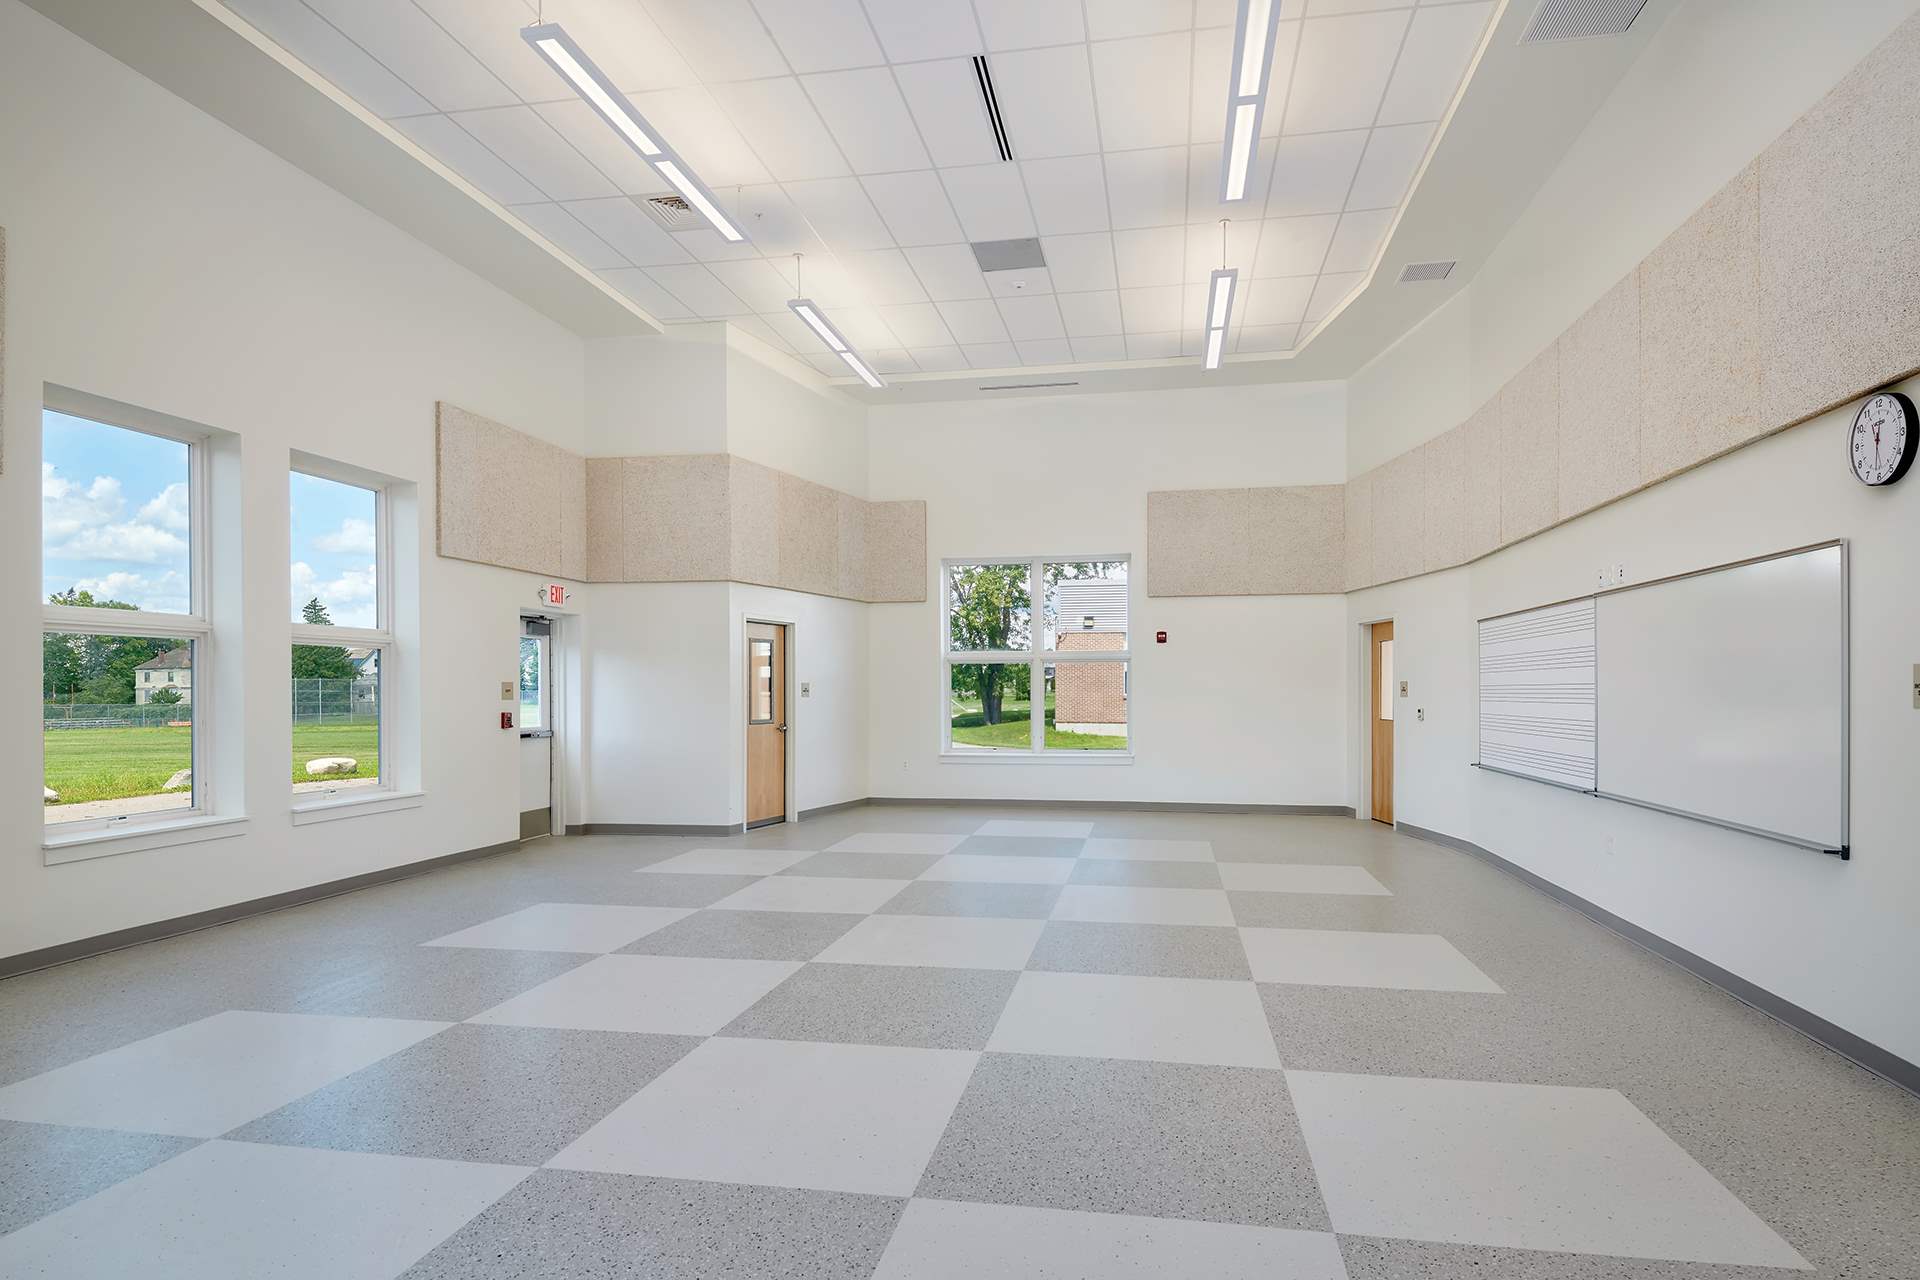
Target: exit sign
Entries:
(553, 593)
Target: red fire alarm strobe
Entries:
(1159, 637)
(506, 719)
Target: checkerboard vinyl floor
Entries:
(935, 1042)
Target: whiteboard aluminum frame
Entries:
(1844, 851)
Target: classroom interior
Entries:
(949, 638)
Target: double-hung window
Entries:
(127, 645)
(343, 649)
(1017, 679)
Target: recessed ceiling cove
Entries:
(856, 132)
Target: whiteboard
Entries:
(1723, 695)
(1537, 694)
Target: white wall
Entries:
(828, 734)
(158, 258)
(1394, 402)
(1243, 701)
(786, 417)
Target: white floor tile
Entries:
(1111, 847)
(831, 1117)
(850, 894)
(1095, 1015)
(1519, 1166)
(729, 862)
(207, 1077)
(993, 868)
(1347, 958)
(947, 942)
(950, 1240)
(667, 995)
(1131, 904)
(897, 842)
(565, 926)
(241, 1209)
(1035, 827)
(1287, 877)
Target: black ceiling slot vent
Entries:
(984, 75)
(1025, 386)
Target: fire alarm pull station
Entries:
(1159, 637)
(506, 719)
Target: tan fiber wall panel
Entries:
(1441, 466)
(850, 560)
(489, 476)
(1482, 433)
(573, 517)
(1296, 540)
(1700, 335)
(676, 518)
(897, 552)
(1528, 412)
(1840, 239)
(809, 536)
(3, 351)
(1600, 402)
(1197, 542)
(1397, 516)
(753, 507)
(1359, 532)
(605, 522)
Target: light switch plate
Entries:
(1403, 688)
(506, 691)
(1916, 686)
(806, 689)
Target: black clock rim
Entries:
(1907, 454)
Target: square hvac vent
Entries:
(1579, 19)
(1008, 255)
(1415, 272)
(672, 212)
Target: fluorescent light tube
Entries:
(552, 43)
(1216, 338)
(1240, 150)
(1253, 53)
(1256, 24)
(810, 312)
(1219, 310)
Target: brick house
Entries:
(1090, 697)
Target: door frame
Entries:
(738, 703)
(563, 654)
(1363, 798)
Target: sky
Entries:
(114, 521)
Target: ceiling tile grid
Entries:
(853, 132)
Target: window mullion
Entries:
(1036, 659)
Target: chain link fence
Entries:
(115, 715)
(336, 701)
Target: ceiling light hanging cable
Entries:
(1219, 304)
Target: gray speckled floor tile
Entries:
(505, 1095)
(1377, 1258)
(872, 866)
(1023, 846)
(881, 1004)
(1153, 875)
(1158, 1139)
(746, 935)
(45, 1167)
(672, 889)
(561, 1225)
(962, 898)
(1150, 950)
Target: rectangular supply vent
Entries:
(1025, 386)
(672, 212)
(1008, 255)
(991, 101)
(1581, 19)
(1416, 272)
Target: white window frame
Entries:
(194, 626)
(1037, 659)
(378, 637)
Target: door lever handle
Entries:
(782, 728)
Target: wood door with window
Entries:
(1381, 719)
(766, 723)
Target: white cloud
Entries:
(348, 598)
(84, 524)
(168, 509)
(353, 537)
(159, 593)
(130, 543)
(65, 509)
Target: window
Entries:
(342, 642)
(994, 662)
(536, 641)
(1383, 696)
(760, 666)
(125, 629)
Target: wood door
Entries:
(1384, 689)
(766, 723)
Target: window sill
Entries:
(78, 846)
(335, 807)
(1036, 757)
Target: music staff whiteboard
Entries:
(1537, 694)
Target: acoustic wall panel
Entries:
(1294, 540)
(1358, 532)
(1482, 430)
(3, 351)
(753, 512)
(573, 517)
(1197, 542)
(606, 516)
(1397, 488)
(1441, 464)
(1600, 402)
(809, 536)
(676, 519)
(896, 552)
(1537, 693)
(850, 560)
(1528, 412)
(1287, 540)
(1700, 335)
(488, 475)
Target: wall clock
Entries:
(1885, 435)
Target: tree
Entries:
(319, 661)
(94, 668)
(165, 697)
(991, 609)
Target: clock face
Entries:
(1884, 438)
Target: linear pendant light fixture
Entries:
(1220, 303)
(810, 312)
(551, 42)
(1253, 34)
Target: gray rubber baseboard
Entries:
(1865, 1053)
(100, 944)
(1145, 806)
(652, 829)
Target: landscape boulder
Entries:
(53, 797)
(330, 765)
(180, 781)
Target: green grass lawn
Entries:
(1012, 731)
(113, 764)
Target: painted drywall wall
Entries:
(157, 258)
(788, 418)
(1238, 707)
(828, 727)
(1393, 402)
